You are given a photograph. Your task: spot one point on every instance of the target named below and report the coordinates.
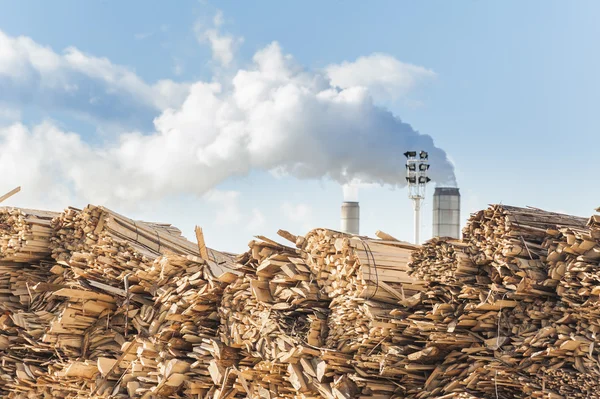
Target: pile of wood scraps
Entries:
(445, 260)
(101, 310)
(25, 234)
(97, 305)
(360, 267)
(527, 339)
(509, 242)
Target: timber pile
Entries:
(573, 257)
(369, 283)
(177, 337)
(508, 242)
(25, 316)
(304, 318)
(573, 261)
(445, 260)
(105, 244)
(274, 314)
(128, 309)
(360, 267)
(110, 314)
(531, 341)
(25, 234)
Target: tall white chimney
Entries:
(350, 217)
(446, 212)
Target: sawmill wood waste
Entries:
(96, 305)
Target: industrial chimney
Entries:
(350, 217)
(446, 212)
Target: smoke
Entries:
(273, 115)
(385, 76)
(350, 191)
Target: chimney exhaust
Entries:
(446, 212)
(350, 217)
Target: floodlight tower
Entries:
(416, 177)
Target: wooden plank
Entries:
(10, 194)
(201, 244)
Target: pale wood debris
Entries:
(104, 306)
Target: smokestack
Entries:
(446, 212)
(350, 217)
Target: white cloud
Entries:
(296, 212)
(272, 115)
(218, 20)
(226, 205)
(385, 76)
(9, 114)
(228, 212)
(256, 222)
(142, 36)
(223, 45)
(87, 86)
(300, 214)
(33, 159)
(178, 67)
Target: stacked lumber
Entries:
(445, 260)
(530, 343)
(573, 257)
(16, 284)
(274, 314)
(573, 263)
(508, 242)
(360, 267)
(25, 314)
(103, 243)
(74, 327)
(25, 234)
(296, 337)
(129, 350)
(129, 309)
(176, 337)
(369, 283)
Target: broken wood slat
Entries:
(25, 234)
(10, 194)
(510, 311)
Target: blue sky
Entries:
(509, 90)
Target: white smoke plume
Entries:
(273, 115)
(385, 76)
(350, 191)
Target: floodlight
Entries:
(417, 181)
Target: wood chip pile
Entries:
(105, 306)
(96, 305)
(513, 328)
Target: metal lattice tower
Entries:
(417, 179)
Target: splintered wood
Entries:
(101, 306)
(99, 243)
(25, 234)
(360, 267)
